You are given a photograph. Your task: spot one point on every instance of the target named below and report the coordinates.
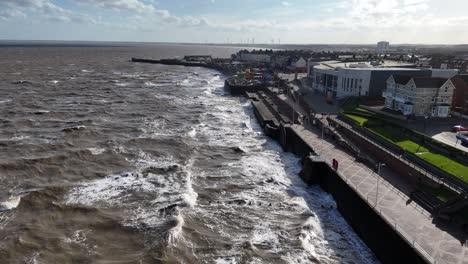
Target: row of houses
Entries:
(277, 60)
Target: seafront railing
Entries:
(392, 222)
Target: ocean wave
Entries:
(96, 151)
(165, 184)
(10, 203)
(152, 84)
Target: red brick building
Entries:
(460, 96)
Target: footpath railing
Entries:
(392, 222)
(389, 220)
(398, 192)
(441, 180)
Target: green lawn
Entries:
(444, 163)
(357, 119)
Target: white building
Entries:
(382, 47)
(300, 63)
(254, 57)
(363, 78)
(421, 96)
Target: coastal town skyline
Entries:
(245, 21)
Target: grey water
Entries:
(107, 161)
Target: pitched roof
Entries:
(429, 82)
(401, 79)
(420, 81)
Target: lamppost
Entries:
(425, 123)
(378, 178)
(290, 94)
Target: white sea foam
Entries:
(173, 234)
(227, 260)
(123, 84)
(150, 84)
(265, 236)
(192, 133)
(19, 137)
(288, 211)
(97, 151)
(168, 189)
(10, 203)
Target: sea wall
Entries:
(380, 236)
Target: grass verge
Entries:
(457, 169)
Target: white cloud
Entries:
(49, 10)
(11, 13)
(128, 5)
(140, 7)
(284, 3)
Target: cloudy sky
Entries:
(291, 21)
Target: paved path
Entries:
(413, 222)
(450, 139)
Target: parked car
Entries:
(464, 142)
(459, 128)
(460, 135)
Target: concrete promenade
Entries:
(409, 219)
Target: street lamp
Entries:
(321, 142)
(378, 177)
(425, 123)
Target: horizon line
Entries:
(227, 44)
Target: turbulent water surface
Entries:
(107, 161)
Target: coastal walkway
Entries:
(386, 194)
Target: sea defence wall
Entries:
(381, 237)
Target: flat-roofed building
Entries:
(362, 78)
(382, 47)
(254, 57)
(419, 95)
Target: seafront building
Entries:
(254, 57)
(363, 78)
(382, 47)
(419, 96)
(460, 96)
